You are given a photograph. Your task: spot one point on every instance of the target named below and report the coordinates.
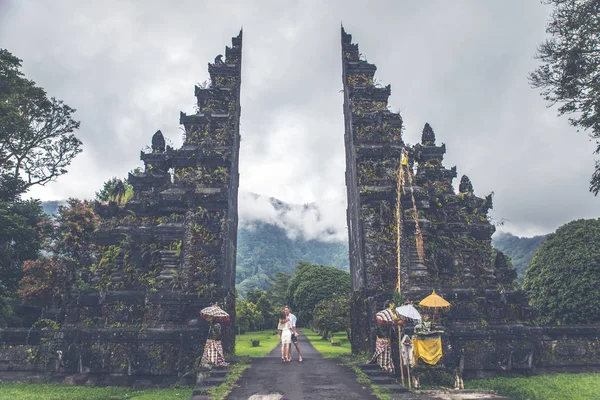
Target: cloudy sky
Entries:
(130, 67)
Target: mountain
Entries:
(520, 249)
(265, 249)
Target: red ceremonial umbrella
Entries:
(214, 313)
(386, 317)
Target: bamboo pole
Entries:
(400, 349)
(399, 185)
(408, 373)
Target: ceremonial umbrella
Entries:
(434, 301)
(386, 317)
(408, 311)
(214, 313)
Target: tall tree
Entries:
(570, 70)
(313, 283)
(564, 275)
(36, 132)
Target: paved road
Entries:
(317, 378)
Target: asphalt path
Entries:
(317, 378)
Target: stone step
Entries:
(370, 367)
(375, 372)
(219, 372)
(213, 381)
(372, 371)
(394, 388)
(383, 380)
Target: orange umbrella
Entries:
(434, 301)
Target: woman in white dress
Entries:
(285, 334)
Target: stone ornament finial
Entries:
(428, 137)
(158, 142)
(465, 185)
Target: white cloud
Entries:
(462, 66)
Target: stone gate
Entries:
(170, 251)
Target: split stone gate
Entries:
(170, 251)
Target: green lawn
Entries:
(544, 387)
(38, 391)
(268, 341)
(325, 347)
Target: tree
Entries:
(564, 275)
(253, 295)
(279, 288)
(36, 139)
(115, 189)
(22, 224)
(69, 245)
(332, 315)
(247, 316)
(570, 73)
(313, 283)
(268, 313)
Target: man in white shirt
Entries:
(292, 318)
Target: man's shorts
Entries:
(294, 338)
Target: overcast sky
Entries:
(130, 67)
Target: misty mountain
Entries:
(265, 249)
(520, 249)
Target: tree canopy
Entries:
(36, 139)
(570, 70)
(313, 283)
(563, 278)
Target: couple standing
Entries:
(288, 334)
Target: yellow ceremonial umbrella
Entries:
(434, 301)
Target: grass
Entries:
(243, 345)
(325, 347)
(37, 391)
(544, 387)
